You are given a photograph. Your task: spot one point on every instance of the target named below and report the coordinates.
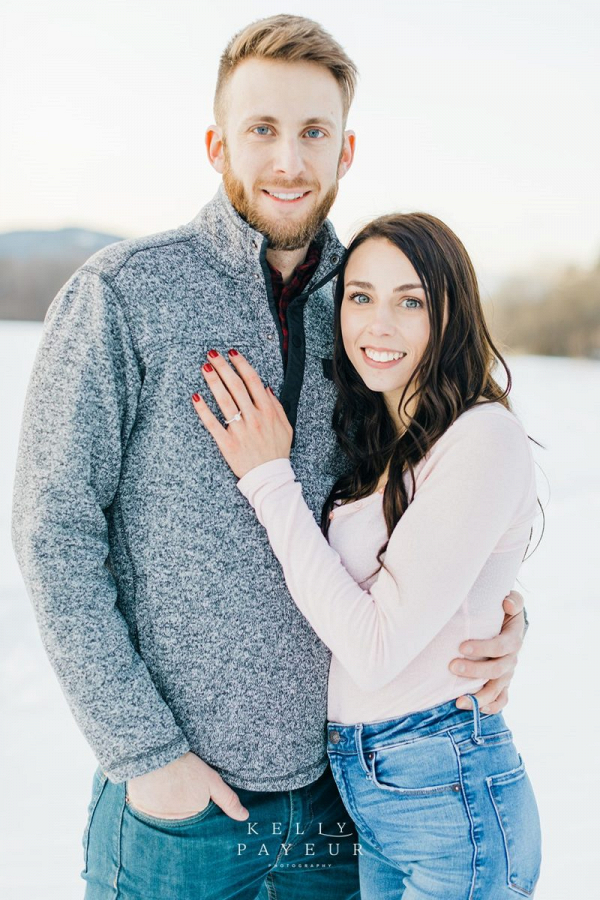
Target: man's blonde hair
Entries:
(289, 38)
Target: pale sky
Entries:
(483, 113)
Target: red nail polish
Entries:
(233, 352)
(195, 397)
(207, 367)
(213, 353)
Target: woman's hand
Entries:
(263, 431)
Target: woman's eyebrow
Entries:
(401, 287)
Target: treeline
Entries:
(558, 318)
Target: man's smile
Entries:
(289, 197)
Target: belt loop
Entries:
(359, 749)
(476, 736)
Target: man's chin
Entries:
(286, 238)
(295, 235)
(283, 236)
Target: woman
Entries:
(419, 542)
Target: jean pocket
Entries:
(415, 769)
(517, 813)
(167, 823)
(413, 803)
(98, 783)
(350, 783)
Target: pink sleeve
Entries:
(475, 484)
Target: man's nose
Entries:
(288, 158)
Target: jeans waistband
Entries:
(417, 725)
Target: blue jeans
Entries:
(296, 844)
(443, 806)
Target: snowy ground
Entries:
(46, 766)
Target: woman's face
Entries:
(384, 319)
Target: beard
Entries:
(281, 235)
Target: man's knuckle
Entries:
(231, 800)
(504, 645)
(498, 668)
(509, 663)
(487, 692)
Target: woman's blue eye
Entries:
(314, 132)
(411, 300)
(356, 296)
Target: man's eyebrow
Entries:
(321, 120)
(271, 120)
(399, 289)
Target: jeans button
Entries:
(335, 737)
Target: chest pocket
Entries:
(327, 364)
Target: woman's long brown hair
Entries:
(454, 373)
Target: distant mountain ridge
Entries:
(62, 241)
(35, 264)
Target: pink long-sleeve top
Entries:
(450, 561)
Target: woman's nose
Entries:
(382, 322)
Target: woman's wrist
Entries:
(261, 473)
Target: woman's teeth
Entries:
(382, 355)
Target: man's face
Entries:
(282, 148)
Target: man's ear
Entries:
(214, 148)
(347, 155)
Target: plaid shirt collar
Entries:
(285, 293)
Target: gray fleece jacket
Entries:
(159, 601)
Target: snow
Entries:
(47, 767)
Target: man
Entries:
(199, 686)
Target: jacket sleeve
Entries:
(79, 410)
(476, 490)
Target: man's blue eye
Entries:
(314, 132)
(262, 129)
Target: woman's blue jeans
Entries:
(443, 806)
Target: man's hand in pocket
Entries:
(182, 789)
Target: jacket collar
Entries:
(236, 248)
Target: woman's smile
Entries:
(382, 358)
